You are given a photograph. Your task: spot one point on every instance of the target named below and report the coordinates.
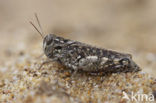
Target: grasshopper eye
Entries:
(48, 39)
(49, 42)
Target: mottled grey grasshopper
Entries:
(80, 56)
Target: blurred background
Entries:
(124, 25)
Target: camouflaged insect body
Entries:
(80, 56)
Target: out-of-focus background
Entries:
(123, 25)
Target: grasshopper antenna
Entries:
(39, 23)
(36, 29)
(40, 32)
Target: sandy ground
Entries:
(124, 25)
